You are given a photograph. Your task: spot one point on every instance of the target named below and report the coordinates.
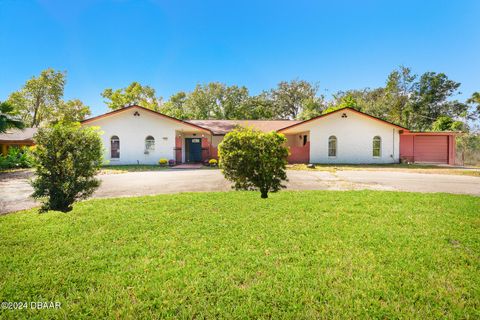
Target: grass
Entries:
(318, 254)
(419, 168)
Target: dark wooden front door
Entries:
(193, 150)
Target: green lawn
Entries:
(359, 254)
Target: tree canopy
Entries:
(8, 118)
(418, 102)
(39, 97)
(134, 94)
(40, 100)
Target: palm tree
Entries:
(7, 118)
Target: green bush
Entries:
(67, 158)
(468, 146)
(254, 160)
(163, 162)
(16, 158)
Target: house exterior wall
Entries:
(354, 134)
(5, 145)
(299, 152)
(132, 131)
(216, 140)
(406, 148)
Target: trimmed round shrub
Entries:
(67, 159)
(254, 160)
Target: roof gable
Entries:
(339, 110)
(111, 113)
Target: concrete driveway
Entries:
(15, 190)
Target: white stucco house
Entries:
(136, 135)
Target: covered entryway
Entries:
(193, 150)
(434, 147)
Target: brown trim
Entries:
(430, 133)
(338, 110)
(145, 109)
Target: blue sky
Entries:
(173, 45)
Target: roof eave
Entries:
(338, 110)
(145, 109)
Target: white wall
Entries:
(354, 139)
(132, 131)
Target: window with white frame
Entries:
(377, 146)
(332, 146)
(149, 143)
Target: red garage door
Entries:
(431, 149)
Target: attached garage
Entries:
(428, 147)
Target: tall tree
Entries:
(399, 88)
(290, 97)
(211, 101)
(175, 106)
(260, 107)
(39, 97)
(135, 93)
(430, 100)
(8, 118)
(72, 111)
(475, 100)
(344, 99)
(218, 101)
(410, 101)
(444, 123)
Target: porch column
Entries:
(178, 148)
(205, 149)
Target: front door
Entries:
(193, 150)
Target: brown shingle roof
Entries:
(221, 127)
(18, 135)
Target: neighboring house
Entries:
(136, 135)
(16, 138)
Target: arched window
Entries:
(149, 143)
(332, 146)
(114, 147)
(377, 146)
